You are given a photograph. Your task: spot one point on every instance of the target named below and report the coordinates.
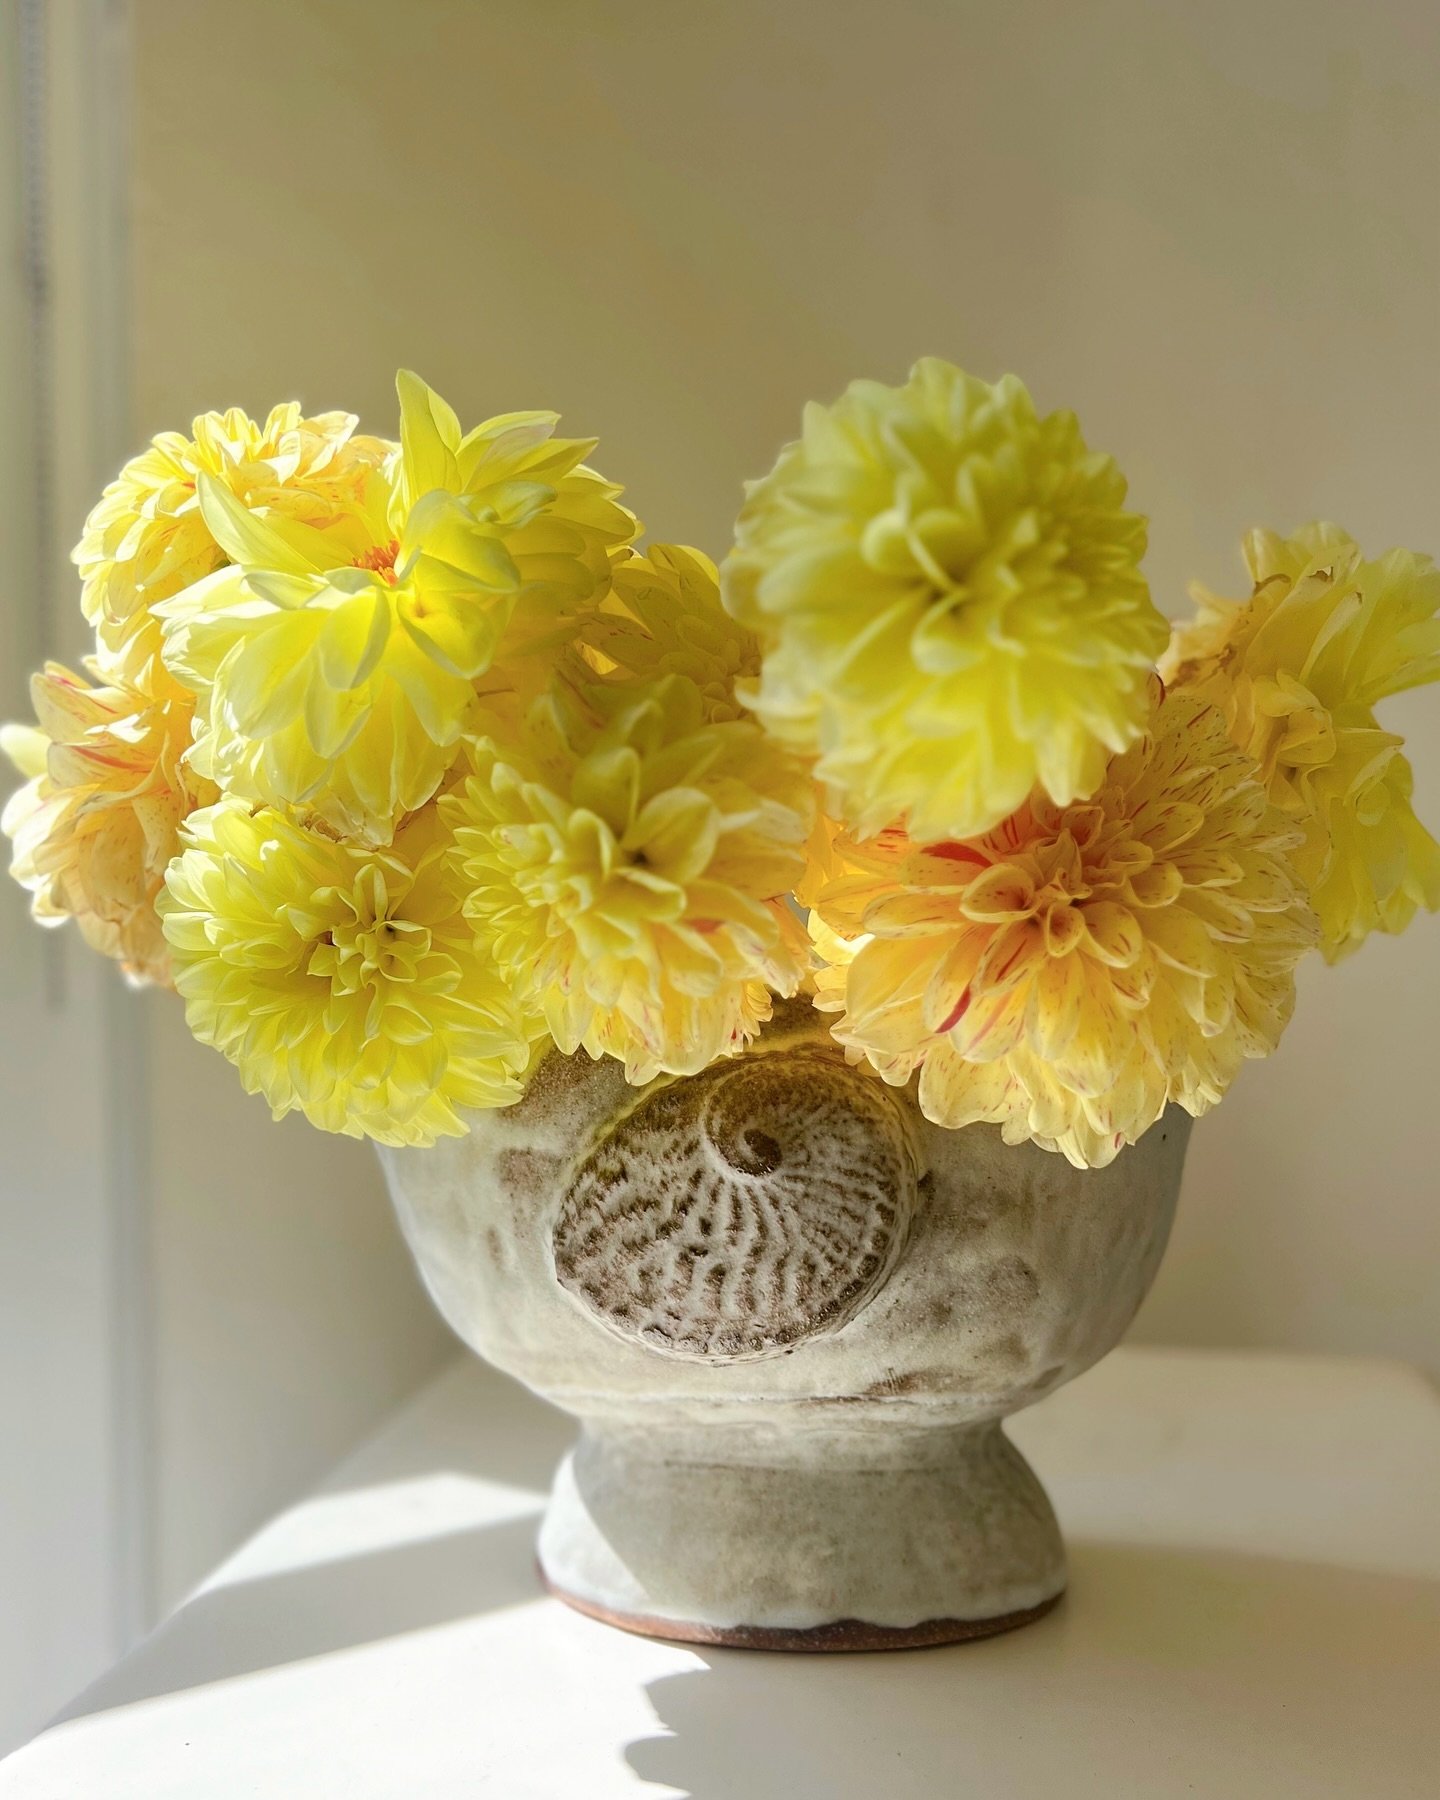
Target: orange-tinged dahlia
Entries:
(627, 861)
(1298, 671)
(98, 821)
(342, 982)
(1071, 972)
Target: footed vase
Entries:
(790, 1316)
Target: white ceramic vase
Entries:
(790, 1316)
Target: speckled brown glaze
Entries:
(790, 1315)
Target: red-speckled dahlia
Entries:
(1073, 971)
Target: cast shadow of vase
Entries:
(1193, 1672)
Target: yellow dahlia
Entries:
(663, 616)
(1070, 972)
(627, 861)
(950, 595)
(1298, 670)
(97, 823)
(147, 538)
(343, 983)
(339, 677)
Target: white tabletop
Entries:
(1254, 1610)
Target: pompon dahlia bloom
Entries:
(1298, 670)
(97, 823)
(342, 982)
(950, 595)
(336, 669)
(1070, 972)
(663, 616)
(148, 538)
(627, 862)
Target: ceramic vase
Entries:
(790, 1316)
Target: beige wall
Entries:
(1211, 229)
(287, 1317)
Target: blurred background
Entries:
(1209, 228)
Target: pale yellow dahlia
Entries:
(98, 821)
(338, 677)
(950, 595)
(627, 862)
(343, 983)
(1298, 670)
(663, 616)
(1070, 972)
(147, 539)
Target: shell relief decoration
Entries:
(735, 1213)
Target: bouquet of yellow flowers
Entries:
(402, 762)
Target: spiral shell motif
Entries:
(737, 1212)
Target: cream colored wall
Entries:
(1210, 229)
(287, 1317)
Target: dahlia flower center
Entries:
(608, 896)
(380, 559)
(939, 544)
(367, 947)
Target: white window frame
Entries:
(76, 1378)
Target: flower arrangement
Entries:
(401, 762)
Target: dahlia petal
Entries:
(897, 915)
(429, 437)
(677, 832)
(1064, 930)
(353, 639)
(1113, 933)
(284, 545)
(1003, 892)
(954, 1093)
(1182, 941)
(991, 1026)
(442, 525)
(1156, 887)
(947, 993)
(1014, 954)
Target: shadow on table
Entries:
(1164, 1672)
(328, 1606)
(238, 1628)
